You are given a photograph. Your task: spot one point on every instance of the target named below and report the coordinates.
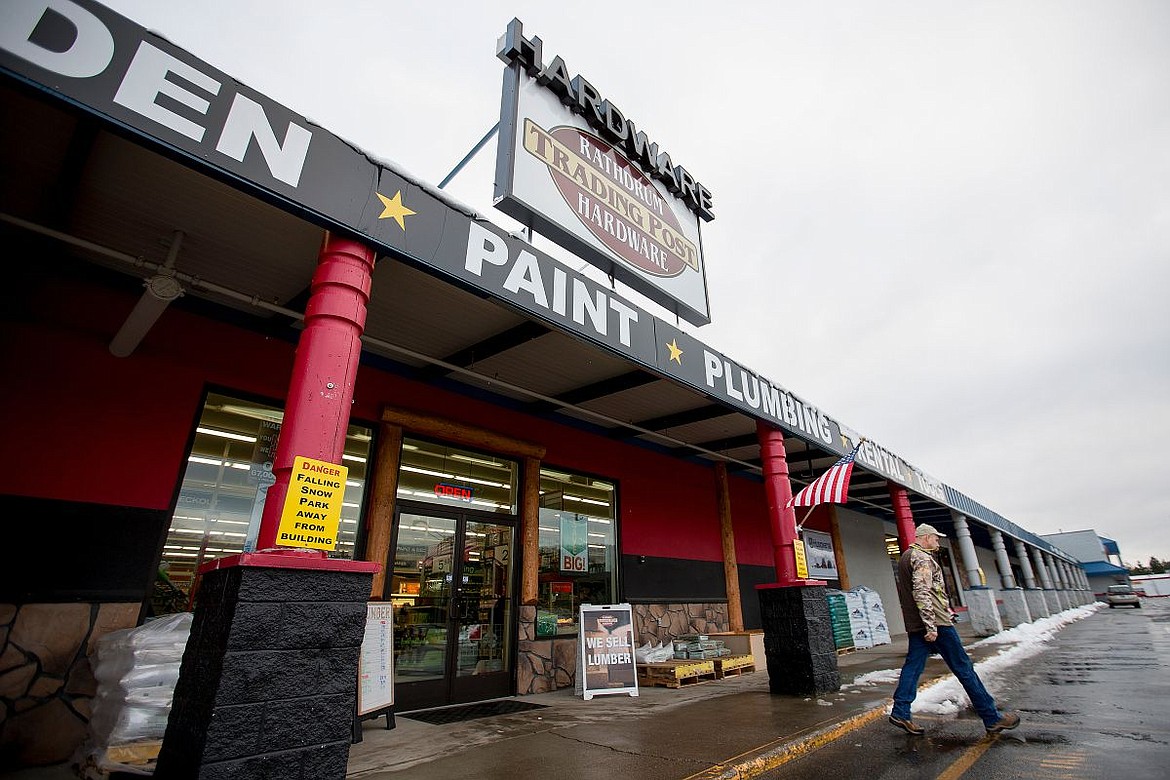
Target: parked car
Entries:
(1122, 596)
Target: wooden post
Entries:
(838, 548)
(380, 520)
(727, 534)
(446, 430)
(530, 532)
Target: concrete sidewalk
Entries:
(730, 728)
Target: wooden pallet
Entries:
(135, 753)
(734, 665)
(846, 650)
(676, 674)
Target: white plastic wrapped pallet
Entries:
(858, 619)
(875, 613)
(136, 670)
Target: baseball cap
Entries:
(926, 530)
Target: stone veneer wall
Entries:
(545, 665)
(664, 623)
(46, 683)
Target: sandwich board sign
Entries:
(607, 650)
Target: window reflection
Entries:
(225, 484)
(438, 474)
(577, 548)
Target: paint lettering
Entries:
(526, 274)
(187, 92)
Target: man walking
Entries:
(930, 626)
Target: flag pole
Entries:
(800, 525)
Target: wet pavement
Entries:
(1095, 702)
(708, 730)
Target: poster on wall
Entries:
(822, 562)
(606, 649)
(260, 474)
(574, 544)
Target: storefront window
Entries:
(438, 474)
(228, 473)
(578, 551)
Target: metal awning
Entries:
(85, 191)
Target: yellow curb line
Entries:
(791, 751)
(794, 750)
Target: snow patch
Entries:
(947, 696)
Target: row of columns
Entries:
(1050, 584)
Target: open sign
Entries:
(454, 492)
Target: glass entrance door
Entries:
(451, 586)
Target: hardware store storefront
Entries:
(511, 455)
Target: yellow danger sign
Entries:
(801, 561)
(312, 506)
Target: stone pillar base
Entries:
(983, 611)
(1037, 605)
(1062, 597)
(798, 640)
(1014, 609)
(268, 684)
(1053, 602)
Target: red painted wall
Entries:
(79, 424)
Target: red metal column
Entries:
(902, 515)
(320, 392)
(778, 490)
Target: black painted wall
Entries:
(677, 580)
(70, 551)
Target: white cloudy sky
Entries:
(947, 224)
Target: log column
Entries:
(727, 536)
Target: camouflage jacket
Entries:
(921, 591)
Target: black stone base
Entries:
(798, 640)
(268, 684)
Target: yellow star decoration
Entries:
(675, 352)
(394, 209)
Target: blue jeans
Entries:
(950, 647)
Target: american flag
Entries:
(832, 487)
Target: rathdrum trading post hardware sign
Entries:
(573, 166)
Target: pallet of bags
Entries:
(876, 615)
(136, 670)
(881, 633)
(859, 628)
(839, 620)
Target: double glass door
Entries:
(451, 586)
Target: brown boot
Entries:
(1005, 723)
(909, 726)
